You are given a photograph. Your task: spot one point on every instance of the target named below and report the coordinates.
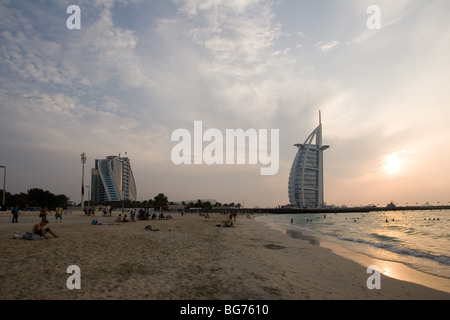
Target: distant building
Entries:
(112, 180)
(306, 175)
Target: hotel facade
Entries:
(306, 175)
(112, 180)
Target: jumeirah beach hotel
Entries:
(112, 180)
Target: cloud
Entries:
(327, 47)
(392, 13)
(136, 71)
(238, 35)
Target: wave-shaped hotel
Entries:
(112, 180)
(306, 175)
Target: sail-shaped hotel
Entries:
(306, 176)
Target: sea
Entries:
(419, 239)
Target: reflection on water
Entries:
(419, 239)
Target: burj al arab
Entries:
(306, 175)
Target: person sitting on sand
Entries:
(119, 218)
(39, 229)
(125, 219)
(149, 227)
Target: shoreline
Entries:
(395, 270)
(189, 258)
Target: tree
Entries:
(160, 200)
(207, 205)
(199, 204)
(46, 199)
(20, 199)
(36, 197)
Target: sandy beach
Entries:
(189, 258)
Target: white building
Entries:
(306, 176)
(112, 180)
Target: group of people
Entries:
(142, 215)
(232, 216)
(39, 229)
(125, 218)
(58, 213)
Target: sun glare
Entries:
(398, 161)
(392, 164)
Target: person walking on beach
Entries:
(43, 213)
(58, 214)
(15, 213)
(40, 229)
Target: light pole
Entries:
(88, 197)
(83, 161)
(4, 185)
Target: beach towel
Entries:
(27, 236)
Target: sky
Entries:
(136, 71)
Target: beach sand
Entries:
(188, 258)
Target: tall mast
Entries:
(319, 131)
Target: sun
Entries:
(398, 161)
(392, 164)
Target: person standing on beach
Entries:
(15, 213)
(43, 213)
(58, 214)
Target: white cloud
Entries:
(301, 35)
(239, 35)
(327, 47)
(116, 85)
(391, 14)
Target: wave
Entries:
(400, 250)
(384, 237)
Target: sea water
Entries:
(418, 239)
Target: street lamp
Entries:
(4, 185)
(88, 197)
(83, 161)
